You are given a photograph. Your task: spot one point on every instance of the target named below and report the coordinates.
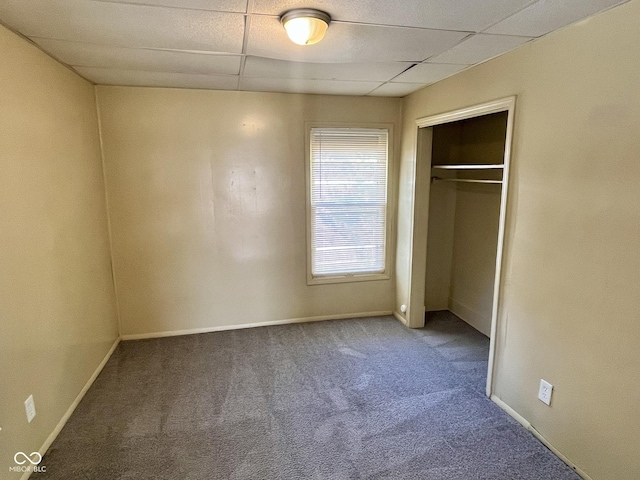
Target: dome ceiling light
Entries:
(305, 26)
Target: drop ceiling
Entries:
(372, 47)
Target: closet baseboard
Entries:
(472, 317)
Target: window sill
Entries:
(349, 278)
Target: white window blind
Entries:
(348, 200)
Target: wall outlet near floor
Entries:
(544, 394)
(30, 407)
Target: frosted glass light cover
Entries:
(305, 26)
(305, 30)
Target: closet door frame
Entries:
(420, 209)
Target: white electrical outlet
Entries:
(30, 407)
(544, 394)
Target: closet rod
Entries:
(466, 180)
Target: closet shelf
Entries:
(469, 166)
(466, 180)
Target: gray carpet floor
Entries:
(348, 399)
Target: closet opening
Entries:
(462, 168)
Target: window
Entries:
(347, 203)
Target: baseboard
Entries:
(473, 318)
(526, 424)
(400, 318)
(47, 443)
(193, 331)
(516, 416)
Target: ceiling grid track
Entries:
(245, 41)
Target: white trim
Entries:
(510, 104)
(390, 207)
(56, 431)
(496, 106)
(350, 278)
(286, 321)
(526, 424)
(400, 318)
(420, 197)
(516, 416)
(412, 211)
(505, 104)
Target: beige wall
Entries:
(57, 307)
(477, 213)
(207, 204)
(442, 214)
(571, 303)
(442, 217)
(473, 265)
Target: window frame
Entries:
(350, 277)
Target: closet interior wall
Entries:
(463, 219)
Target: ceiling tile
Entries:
(90, 55)
(181, 43)
(468, 15)
(111, 76)
(346, 43)
(478, 48)
(293, 85)
(218, 6)
(396, 89)
(125, 25)
(266, 67)
(545, 16)
(426, 73)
